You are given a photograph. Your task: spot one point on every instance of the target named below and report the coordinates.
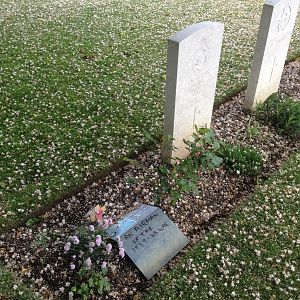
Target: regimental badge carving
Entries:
(200, 56)
(284, 19)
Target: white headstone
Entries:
(275, 31)
(192, 69)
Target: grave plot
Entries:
(136, 184)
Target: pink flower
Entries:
(105, 223)
(91, 227)
(104, 265)
(98, 240)
(75, 240)
(88, 263)
(108, 248)
(120, 243)
(72, 266)
(122, 252)
(67, 247)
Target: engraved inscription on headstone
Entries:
(275, 31)
(149, 237)
(193, 60)
(285, 18)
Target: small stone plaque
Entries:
(149, 237)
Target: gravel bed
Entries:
(43, 266)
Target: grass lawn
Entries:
(82, 85)
(11, 289)
(254, 255)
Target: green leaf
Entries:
(216, 145)
(82, 271)
(175, 197)
(106, 284)
(85, 287)
(184, 185)
(202, 130)
(91, 282)
(104, 271)
(208, 137)
(32, 221)
(101, 285)
(131, 180)
(131, 161)
(217, 161)
(74, 289)
(163, 170)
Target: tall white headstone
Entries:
(275, 31)
(192, 69)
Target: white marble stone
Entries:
(275, 31)
(192, 69)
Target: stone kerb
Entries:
(192, 69)
(274, 35)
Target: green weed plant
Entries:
(241, 160)
(206, 153)
(12, 289)
(283, 113)
(183, 176)
(253, 130)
